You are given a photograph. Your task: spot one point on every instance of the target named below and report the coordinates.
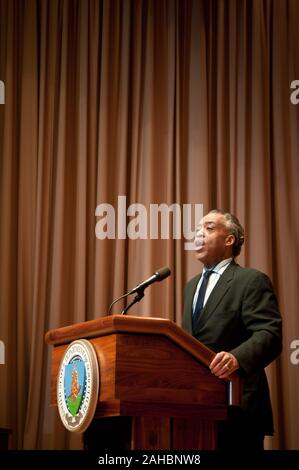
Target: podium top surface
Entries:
(120, 324)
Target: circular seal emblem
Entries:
(78, 385)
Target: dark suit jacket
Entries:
(241, 316)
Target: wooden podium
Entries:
(156, 390)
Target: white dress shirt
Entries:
(213, 279)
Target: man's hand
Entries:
(224, 364)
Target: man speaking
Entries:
(234, 311)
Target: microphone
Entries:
(159, 275)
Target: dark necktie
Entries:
(201, 297)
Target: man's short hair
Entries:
(234, 227)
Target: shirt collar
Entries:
(218, 267)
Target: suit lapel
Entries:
(221, 288)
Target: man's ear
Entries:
(230, 240)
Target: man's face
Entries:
(213, 242)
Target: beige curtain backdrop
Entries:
(162, 102)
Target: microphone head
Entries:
(162, 273)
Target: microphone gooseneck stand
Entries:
(137, 298)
